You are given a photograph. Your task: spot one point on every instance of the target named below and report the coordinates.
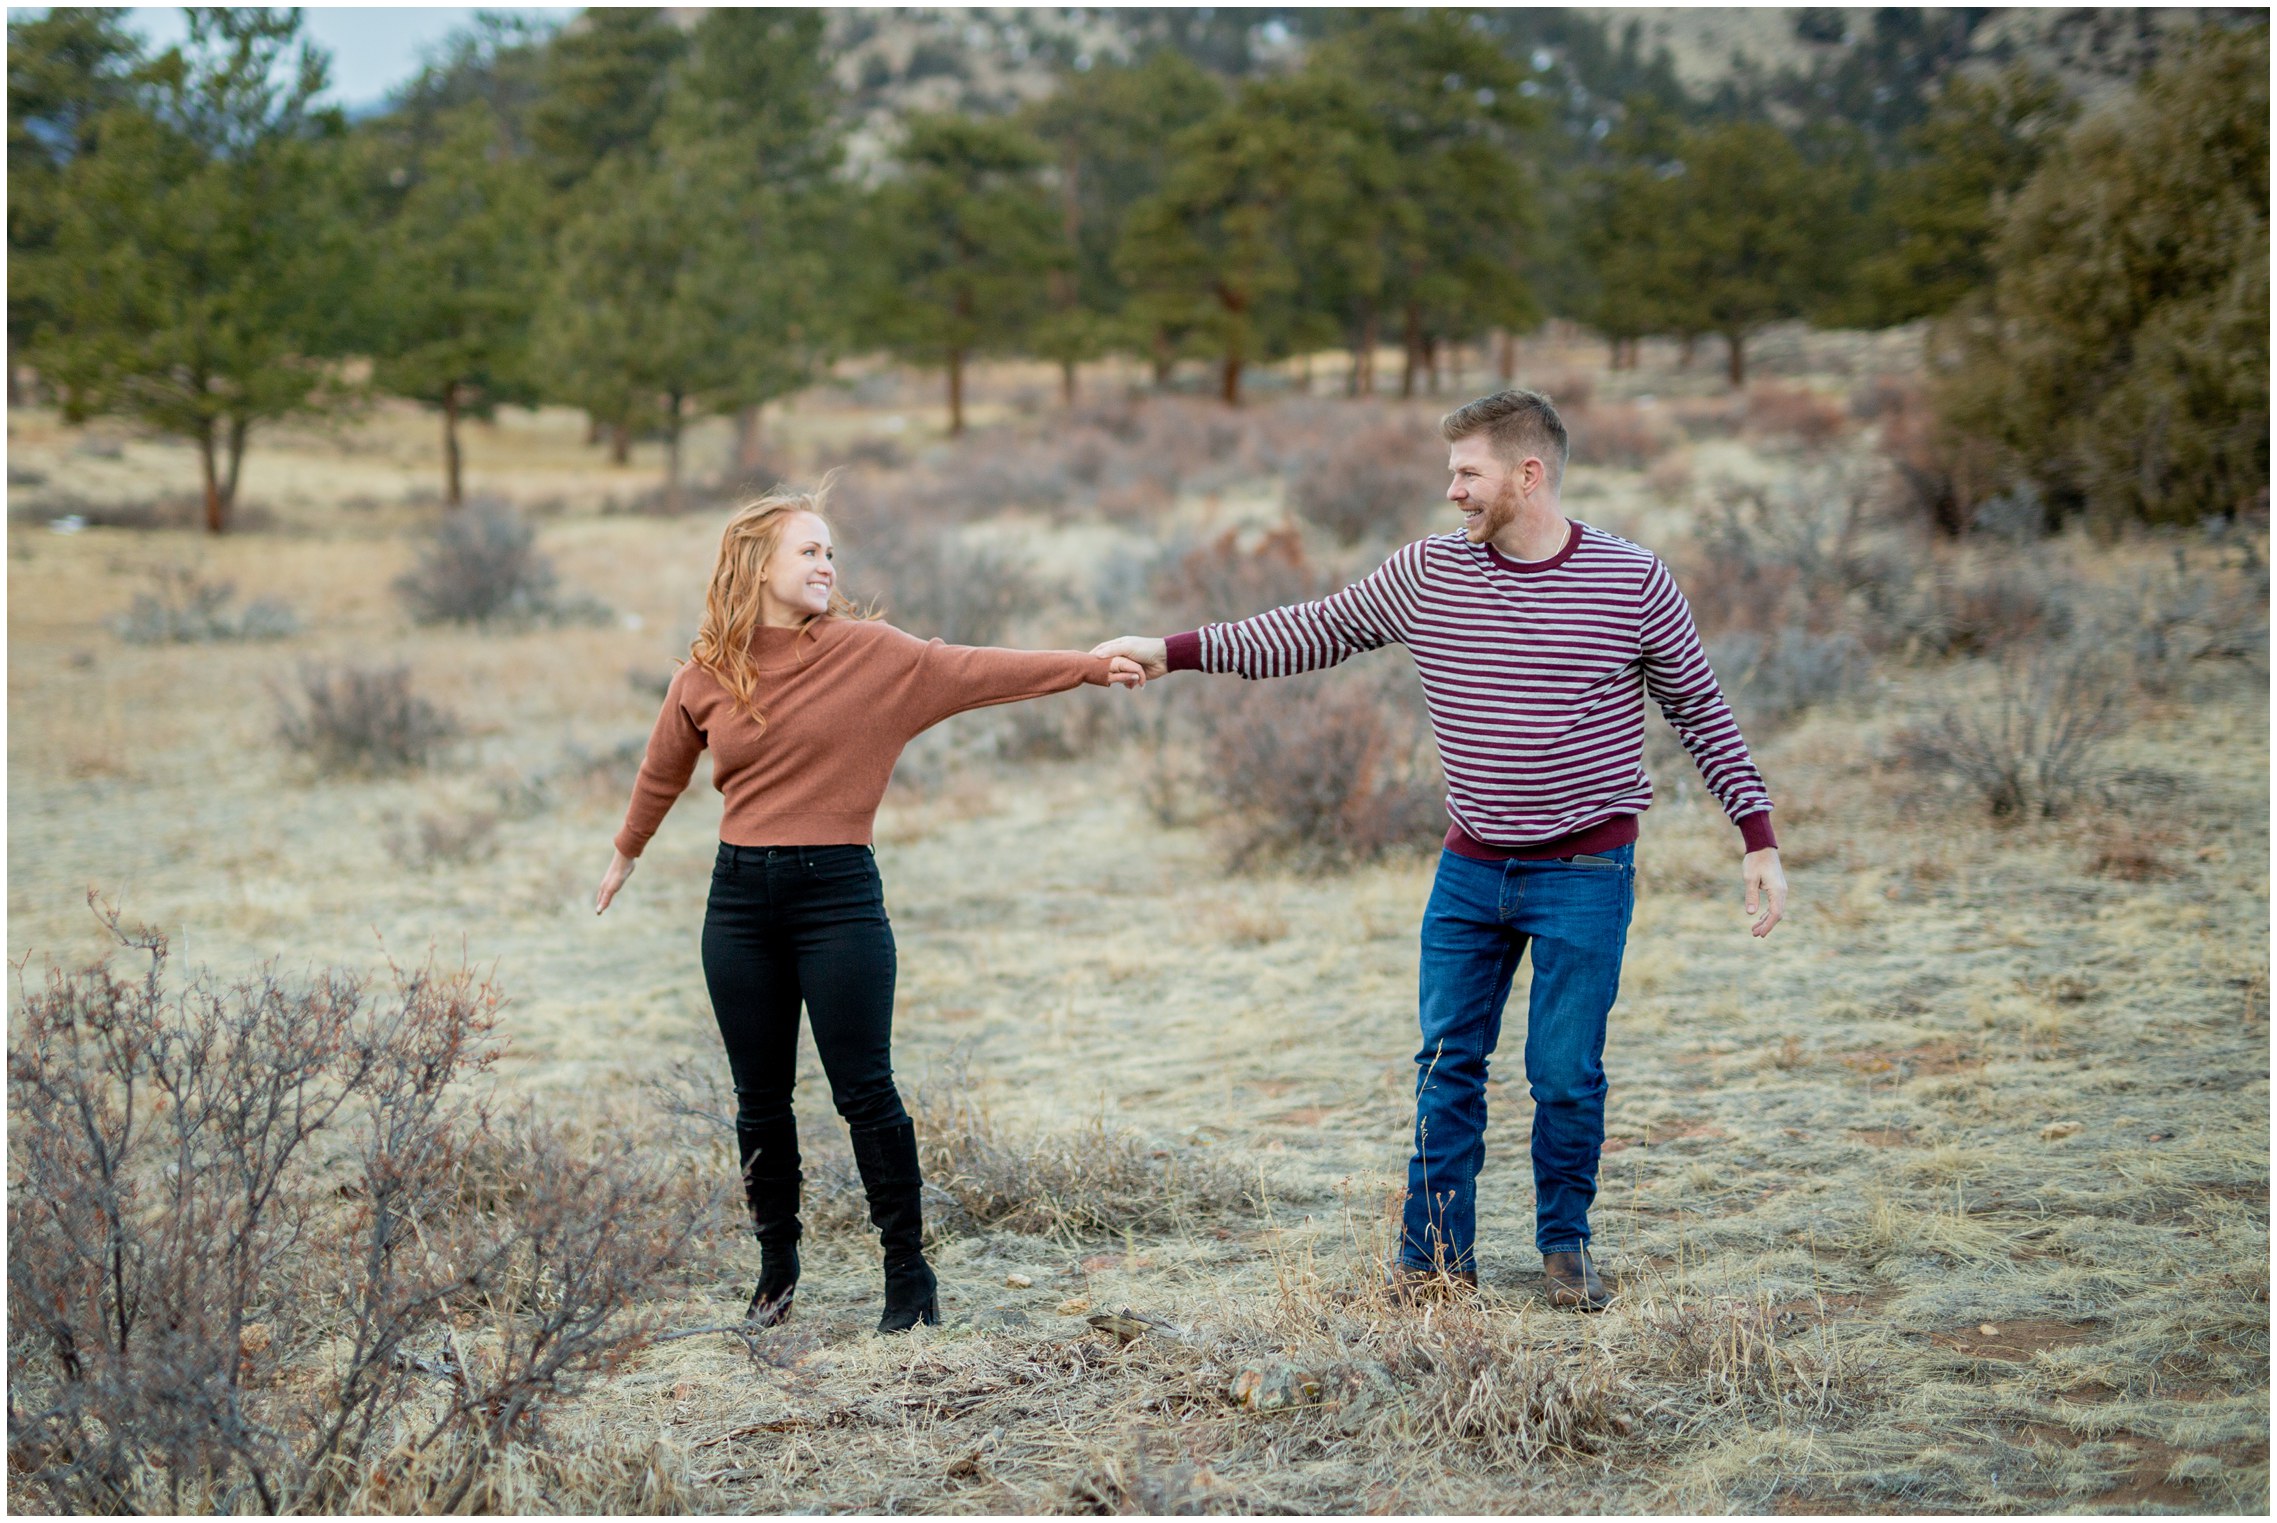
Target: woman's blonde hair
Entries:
(731, 607)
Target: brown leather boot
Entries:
(1572, 1281)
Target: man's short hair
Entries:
(1516, 424)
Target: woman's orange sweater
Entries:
(841, 699)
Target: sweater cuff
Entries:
(628, 845)
(1184, 652)
(1755, 831)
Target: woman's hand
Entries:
(1122, 671)
(620, 868)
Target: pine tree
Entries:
(1753, 236)
(66, 70)
(603, 88)
(1932, 231)
(1444, 100)
(457, 273)
(204, 258)
(2120, 360)
(1215, 253)
(1109, 132)
(751, 115)
(968, 237)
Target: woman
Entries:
(805, 704)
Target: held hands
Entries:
(1766, 888)
(1150, 657)
(620, 868)
(1122, 671)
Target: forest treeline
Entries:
(656, 222)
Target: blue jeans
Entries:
(1484, 916)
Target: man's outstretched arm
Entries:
(1303, 637)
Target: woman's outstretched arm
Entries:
(949, 679)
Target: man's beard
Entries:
(1494, 515)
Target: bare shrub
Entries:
(1221, 581)
(1790, 412)
(356, 719)
(1068, 727)
(1620, 435)
(1313, 771)
(482, 566)
(2171, 624)
(1974, 606)
(182, 608)
(931, 583)
(1771, 678)
(443, 837)
(1365, 483)
(2033, 747)
(250, 1262)
(2018, 515)
(1789, 557)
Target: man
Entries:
(1537, 638)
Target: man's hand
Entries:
(1122, 671)
(1766, 888)
(1151, 655)
(620, 868)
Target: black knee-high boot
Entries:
(771, 1181)
(895, 1185)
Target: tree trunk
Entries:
(620, 444)
(748, 437)
(672, 457)
(1506, 358)
(217, 516)
(956, 392)
(1684, 354)
(1229, 378)
(1371, 333)
(1413, 339)
(1736, 370)
(1431, 362)
(1067, 383)
(237, 431)
(592, 430)
(451, 493)
(1163, 359)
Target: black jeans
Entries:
(788, 925)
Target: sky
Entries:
(373, 48)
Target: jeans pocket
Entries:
(1592, 863)
(853, 866)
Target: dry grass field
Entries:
(1953, 1195)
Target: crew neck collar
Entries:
(773, 645)
(1535, 568)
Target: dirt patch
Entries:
(1884, 1136)
(2015, 1341)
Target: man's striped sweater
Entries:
(1535, 673)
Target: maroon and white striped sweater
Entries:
(1535, 673)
